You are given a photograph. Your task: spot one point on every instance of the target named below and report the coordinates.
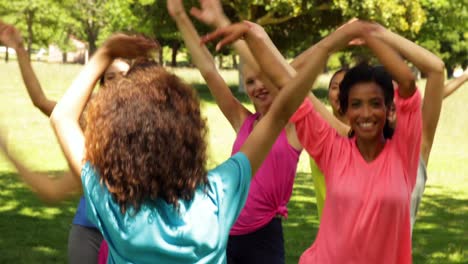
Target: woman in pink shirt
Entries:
(370, 174)
(257, 235)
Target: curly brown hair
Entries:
(146, 138)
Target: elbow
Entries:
(43, 106)
(50, 199)
(53, 198)
(55, 119)
(408, 81)
(438, 68)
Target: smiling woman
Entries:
(366, 95)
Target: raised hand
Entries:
(211, 12)
(175, 7)
(229, 34)
(10, 36)
(125, 46)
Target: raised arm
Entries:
(289, 98)
(48, 189)
(280, 72)
(65, 117)
(453, 85)
(433, 68)
(232, 109)
(11, 37)
(393, 63)
(212, 14)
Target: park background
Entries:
(34, 232)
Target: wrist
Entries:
(20, 50)
(222, 21)
(179, 14)
(18, 46)
(104, 52)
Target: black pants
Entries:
(83, 245)
(265, 245)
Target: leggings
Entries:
(418, 191)
(83, 244)
(265, 245)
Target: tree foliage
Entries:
(294, 25)
(38, 19)
(446, 31)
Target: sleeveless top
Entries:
(271, 187)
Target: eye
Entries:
(249, 81)
(376, 103)
(109, 76)
(355, 104)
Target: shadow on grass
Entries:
(31, 231)
(440, 235)
(302, 224)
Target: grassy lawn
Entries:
(33, 232)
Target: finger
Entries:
(354, 19)
(227, 40)
(212, 36)
(197, 13)
(250, 23)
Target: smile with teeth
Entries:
(262, 95)
(366, 125)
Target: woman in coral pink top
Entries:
(370, 174)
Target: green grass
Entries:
(32, 232)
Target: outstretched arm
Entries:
(289, 98)
(232, 109)
(433, 68)
(453, 85)
(280, 72)
(65, 117)
(48, 189)
(212, 14)
(11, 37)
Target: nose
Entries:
(366, 111)
(259, 85)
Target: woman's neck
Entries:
(370, 149)
(342, 118)
(261, 111)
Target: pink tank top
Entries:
(271, 187)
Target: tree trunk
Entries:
(92, 36)
(175, 49)
(449, 71)
(7, 58)
(29, 22)
(161, 59)
(241, 88)
(64, 57)
(234, 61)
(92, 33)
(220, 62)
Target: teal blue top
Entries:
(157, 233)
